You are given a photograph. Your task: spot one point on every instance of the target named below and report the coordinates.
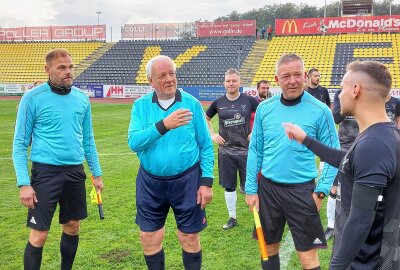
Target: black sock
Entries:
(192, 261)
(315, 268)
(32, 257)
(273, 263)
(156, 261)
(68, 247)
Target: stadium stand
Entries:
(200, 61)
(203, 61)
(23, 62)
(331, 54)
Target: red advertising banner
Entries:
(158, 30)
(75, 32)
(336, 25)
(226, 28)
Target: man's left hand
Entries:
(204, 196)
(318, 201)
(98, 183)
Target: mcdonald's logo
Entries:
(290, 24)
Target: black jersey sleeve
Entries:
(357, 227)
(328, 99)
(331, 155)
(212, 110)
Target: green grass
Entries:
(113, 243)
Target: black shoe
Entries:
(230, 224)
(241, 189)
(329, 232)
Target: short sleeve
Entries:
(212, 110)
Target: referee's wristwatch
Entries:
(320, 195)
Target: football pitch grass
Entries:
(113, 243)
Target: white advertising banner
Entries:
(7, 89)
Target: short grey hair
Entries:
(286, 58)
(150, 63)
(232, 71)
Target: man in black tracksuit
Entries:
(368, 205)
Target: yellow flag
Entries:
(93, 198)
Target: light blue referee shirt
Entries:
(283, 160)
(61, 130)
(165, 152)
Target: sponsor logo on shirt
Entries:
(237, 119)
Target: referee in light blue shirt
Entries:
(169, 134)
(287, 191)
(57, 117)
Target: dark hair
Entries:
(311, 71)
(54, 53)
(375, 70)
(260, 82)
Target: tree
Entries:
(266, 15)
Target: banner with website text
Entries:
(226, 28)
(50, 33)
(158, 31)
(338, 25)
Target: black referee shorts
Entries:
(57, 184)
(292, 203)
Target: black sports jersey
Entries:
(393, 108)
(234, 122)
(348, 127)
(372, 162)
(320, 93)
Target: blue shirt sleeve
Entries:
(22, 137)
(139, 136)
(205, 145)
(89, 145)
(327, 135)
(255, 154)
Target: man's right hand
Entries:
(252, 201)
(218, 139)
(178, 118)
(294, 132)
(27, 196)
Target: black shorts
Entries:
(57, 184)
(228, 166)
(155, 195)
(292, 203)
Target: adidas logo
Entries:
(317, 242)
(32, 220)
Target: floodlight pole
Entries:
(98, 17)
(325, 10)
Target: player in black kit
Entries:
(392, 107)
(368, 204)
(234, 110)
(316, 90)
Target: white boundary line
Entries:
(105, 154)
(286, 250)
